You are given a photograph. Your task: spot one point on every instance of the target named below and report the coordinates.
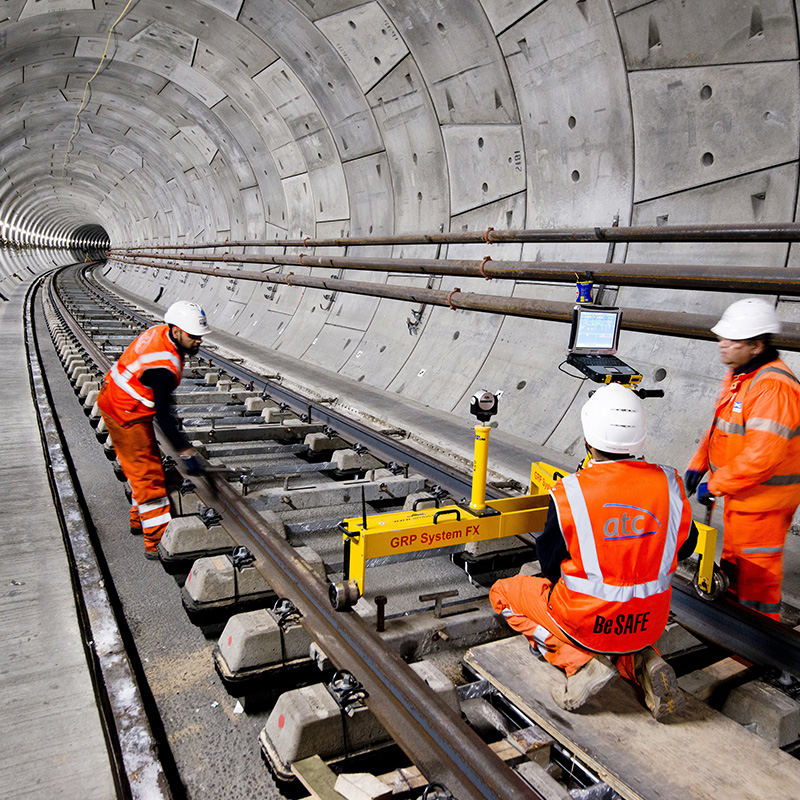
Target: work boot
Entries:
(661, 693)
(151, 555)
(136, 530)
(535, 652)
(587, 681)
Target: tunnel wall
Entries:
(242, 120)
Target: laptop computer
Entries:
(593, 340)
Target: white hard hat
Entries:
(189, 317)
(745, 319)
(613, 420)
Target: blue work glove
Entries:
(192, 465)
(691, 480)
(704, 496)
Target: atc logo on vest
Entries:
(632, 523)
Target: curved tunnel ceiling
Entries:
(261, 119)
(275, 109)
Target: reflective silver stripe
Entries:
(781, 480)
(764, 608)
(766, 371)
(617, 594)
(769, 425)
(674, 523)
(156, 522)
(594, 584)
(122, 376)
(540, 637)
(762, 549)
(149, 358)
(153, 505)
(123, 384)
(583, 528)
(729, 427)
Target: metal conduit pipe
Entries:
(756, 232)
(665, 323)
(756, 280)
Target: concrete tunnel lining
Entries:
(246, 120)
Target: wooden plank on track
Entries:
(697, 755)
(317, 777)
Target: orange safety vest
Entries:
(623, 523)
(124, 397)
(752, 448)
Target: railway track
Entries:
(289, 484)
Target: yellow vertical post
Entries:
(480, 467)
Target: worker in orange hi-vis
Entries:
(613, 536)
(752, 451)
(138, 390)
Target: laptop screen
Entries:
(594, 330)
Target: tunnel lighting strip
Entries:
(665, 323)
(757, 232)
(757, 280)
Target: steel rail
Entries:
(352, 644)
(756, 280)
(433, 736)
(133, 749)
(754, 232)
(741, 630)
(664, 323)
(383, 445)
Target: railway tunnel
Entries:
(142, 129)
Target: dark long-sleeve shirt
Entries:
(162, 382)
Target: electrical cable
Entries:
(86, 88)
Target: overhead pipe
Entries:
(755, 232)
(754, 280)
(664, 323)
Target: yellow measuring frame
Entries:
(430, 528)
(707, 548)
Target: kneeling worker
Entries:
(614, 533)
(137, 390)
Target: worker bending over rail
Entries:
(752, 450)
(614, 533)
(138, 390)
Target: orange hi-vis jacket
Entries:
(623, 523)
(126, 398)
(752, 448)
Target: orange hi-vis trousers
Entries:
(522, 600)
(138, 454)
(752, 556)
